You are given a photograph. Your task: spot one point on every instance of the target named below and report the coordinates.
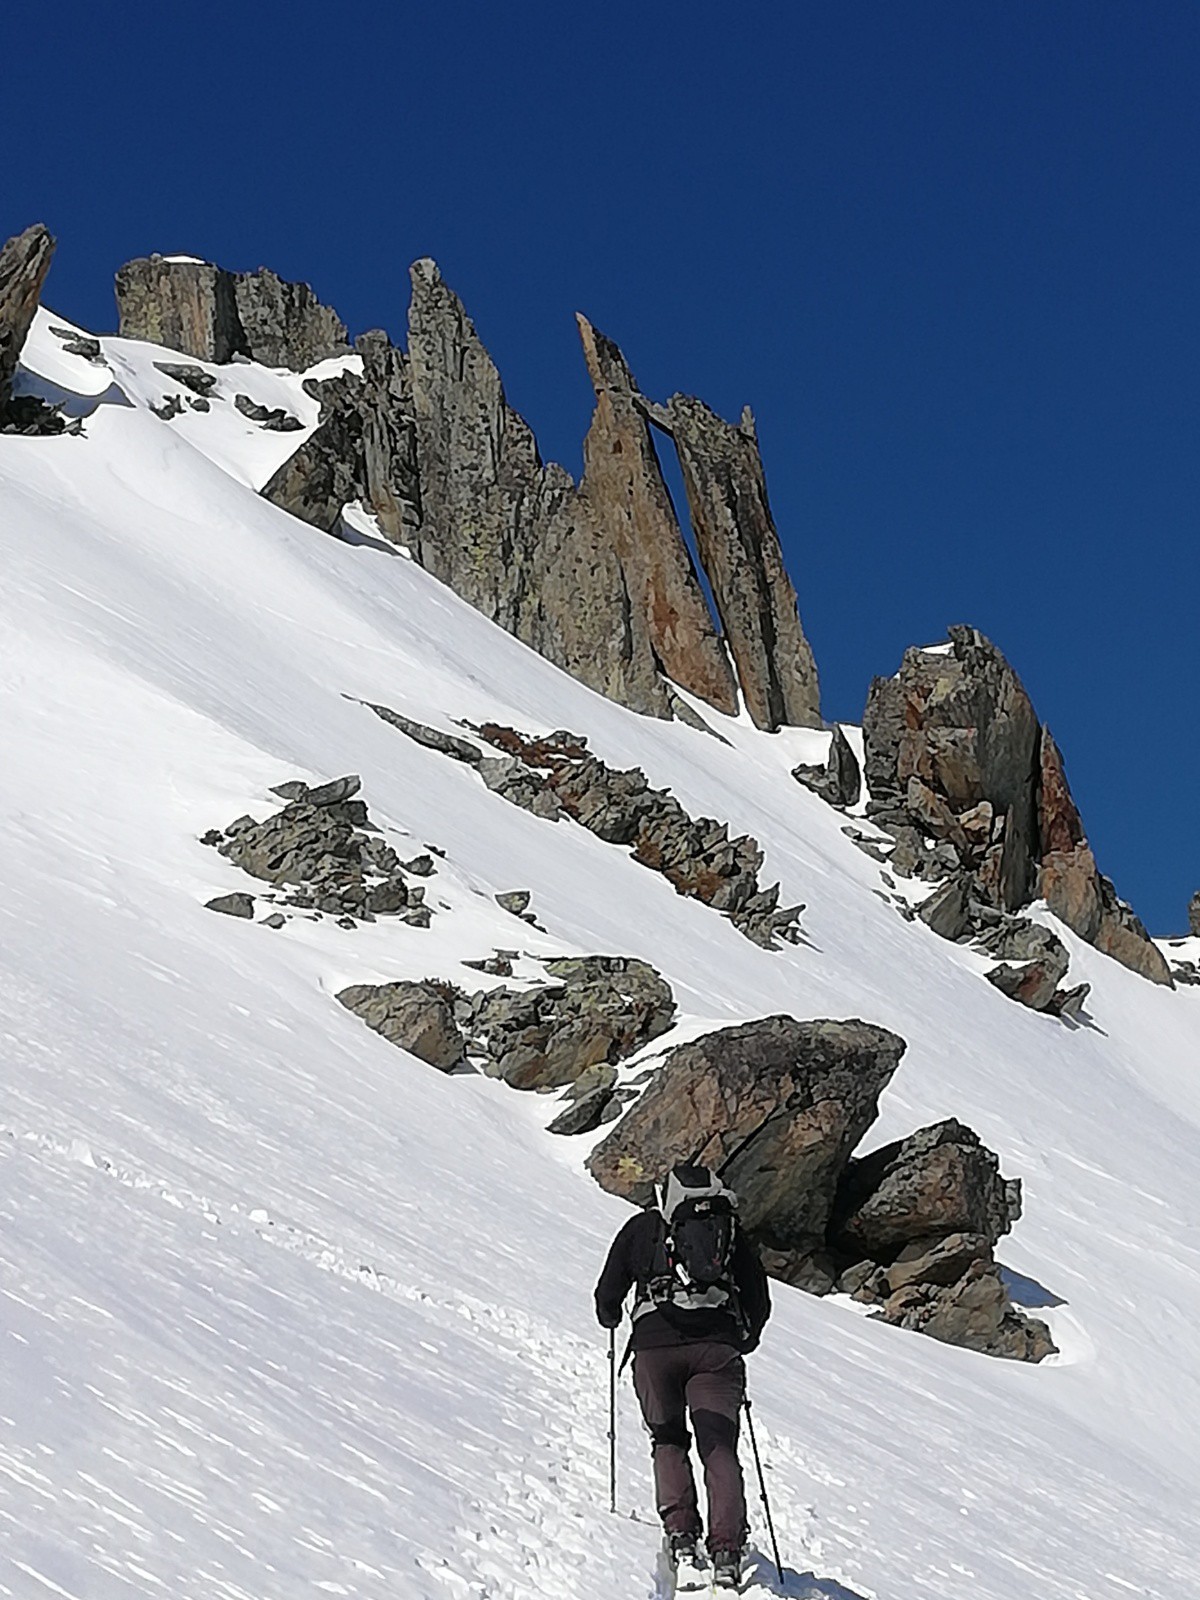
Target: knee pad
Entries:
(714, 1431)
(672, 1432)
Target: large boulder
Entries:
(939, 1181)
(776, 1106)
(416, 1016)
(24, 263)
(739, 549)
(972, 1311)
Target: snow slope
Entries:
(287, 1312)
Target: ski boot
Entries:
(727, 1570)
(687, 1562)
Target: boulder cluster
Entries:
(321, 854)
(597, 575)
(971, 788)
(777, 1106)
(557, 776)
(567, 1035)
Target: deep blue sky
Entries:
(949, 252)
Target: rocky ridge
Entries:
(596, 576)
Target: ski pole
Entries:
(612, 1420)
(762, 1489)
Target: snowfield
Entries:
(287, 1312)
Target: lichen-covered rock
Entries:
(601, 1009)
(624, 487)
(284, 324)
(214, 315)
(940, 1180)
(515, 539)
(741, 555)
(775, 1105)
(415, 1016)
(320, 853)
(974, 1312)
(24, 263)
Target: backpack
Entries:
(691, 1265)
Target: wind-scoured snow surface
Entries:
(286, 1312)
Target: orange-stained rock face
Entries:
(623, 485)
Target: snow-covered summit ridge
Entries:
(286, 1309)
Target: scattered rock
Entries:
(323, 849)
(445, 744)
(194, 378)
(172, 406)
(557, 774)
(415, 1016)
(273, 419)
(1194, 915)
(585, 1114)
(602, 1009)
(232, 905)
(78, 344)
(946, 911)
(275, 920)
(515, 900)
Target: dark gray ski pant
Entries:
(709, 1382)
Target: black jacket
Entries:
(631, 1261)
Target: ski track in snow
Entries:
(536, 1535)
(286, 1313)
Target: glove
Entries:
(608, 1318)
(749, 1344)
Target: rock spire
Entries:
(24, 263)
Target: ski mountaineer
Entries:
(700, 1305)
